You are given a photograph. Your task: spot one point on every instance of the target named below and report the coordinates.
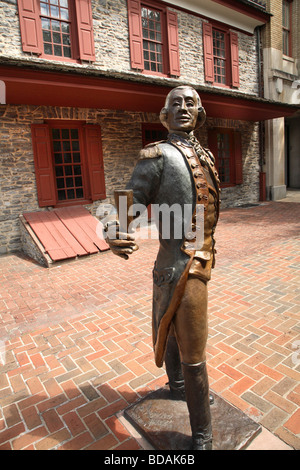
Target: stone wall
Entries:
(121, 141)
(110, 24)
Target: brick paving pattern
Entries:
(75, 340)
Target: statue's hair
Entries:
(181, 87)
(201, 111)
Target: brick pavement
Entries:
(75, 340)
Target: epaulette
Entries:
(151, 151)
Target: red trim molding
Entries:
(29, 87)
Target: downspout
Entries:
(261, 124)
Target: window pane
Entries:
(58, 158)
(56, 38)
(67, 157)
(79, 193)
(77, 170)
(74, 133)
(59, 171)
(55, 134)
(64, 14)
(58, 51)
(47, 36)
(45, 23)
(66, 39)
(60, 183)
(56, 146)
(71, 194)
(65, 134)
(47, 49)
(78, 181)
(65, 27)
(55, 25)
(67, 51)
(54, 12)
(69, 182)
(44, 9)
(75, 145)
(66, 145)
(68, 170)
(61, 195)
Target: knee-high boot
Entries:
(197, 397)
(174, 369)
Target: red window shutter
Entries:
(95, 161)
(43, 165)
(238, 158)
(234, 48)
(208, 51)
(135, 34)
(30, 26)
(85, 30)
(172, 26)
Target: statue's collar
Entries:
(182, 137)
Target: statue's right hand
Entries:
(121, 244)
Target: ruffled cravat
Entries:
(197, 147)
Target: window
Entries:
(219, 52)
(221, 56)
(68, 163)
(225, 144)
(286, 27)
(153, 37)
(153, 133)
(57, 29)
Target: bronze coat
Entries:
(171, 173)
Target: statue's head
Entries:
(183, 110)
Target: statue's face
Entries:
(182, 110)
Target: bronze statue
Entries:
(178, 172)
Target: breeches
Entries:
(190, 324)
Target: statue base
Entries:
(165, 423)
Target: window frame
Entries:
(152, 127)
(235, 160)
(91, 159)
(285, 30)
(170, 45)
(165, 59)
(65, 124)
(73, 36)
(29, 13)
(228, 78)
(232, 75)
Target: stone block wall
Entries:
(121, 142)
(110, 25)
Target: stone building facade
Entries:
(230, 109)
(281, 53)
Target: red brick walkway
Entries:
(75, 340)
